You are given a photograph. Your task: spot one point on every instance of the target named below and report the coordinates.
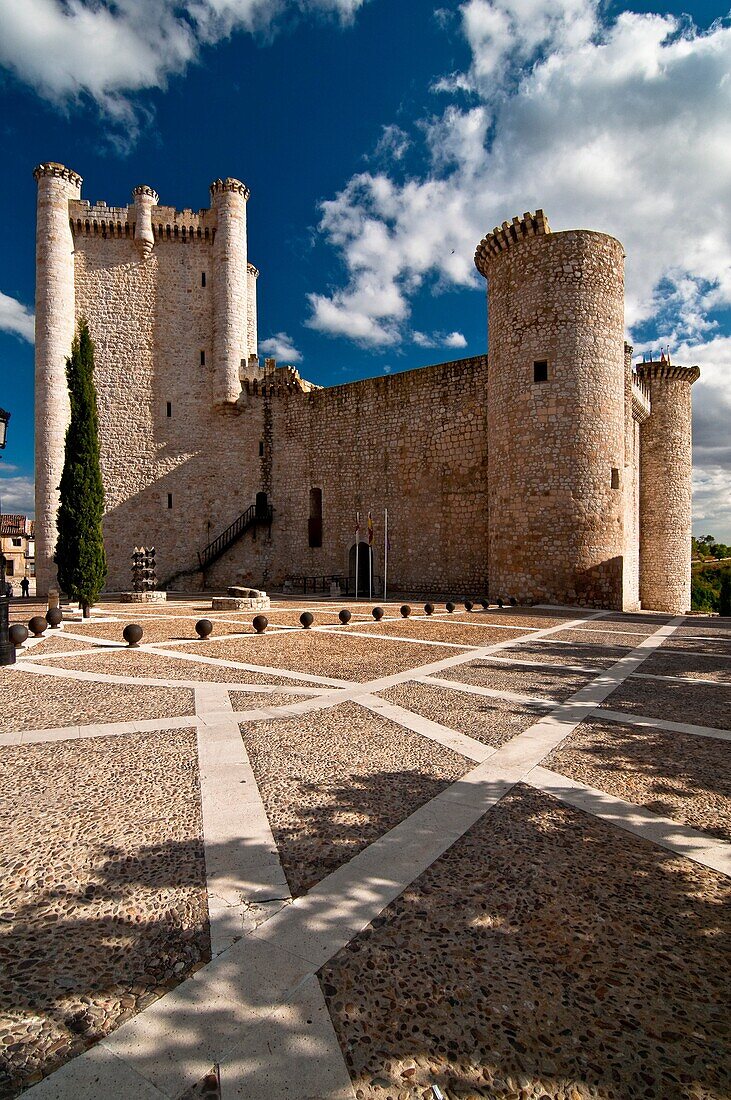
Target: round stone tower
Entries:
(144, 198)
(230, 289)
(555, 413)
(665, 488)
(55, 320)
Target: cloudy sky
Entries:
(381, 139)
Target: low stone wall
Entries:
(240, 603)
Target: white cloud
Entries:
(17, 495)
(16, 318)
(622, 127)
(107, 50)
(438, 339)
(392, 144)
(281, 347)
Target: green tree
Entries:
(80, 557)
(724, 599)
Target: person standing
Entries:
(24, 587)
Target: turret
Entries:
(555, 400)
(230, 288)
(665, 488)
(55, 319)
(251, 332)
(145, 198)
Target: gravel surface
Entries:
(335, 781)
(455, 631)
(339, 656)
(30, 702)
(134, 662)
(635, 621)
(553, 653)
(716, 645)
(56, 641)
(698, 704)
(251, 700)
(614, 639)
(545, 955)
(550, 683)
(692, 666)
(491, 721)
(673, 774)
(103, 901)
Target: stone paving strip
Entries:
(544, 955)
(685, 666)
(674, 775)
(413, 640)
(245, 880)
(663, 724)
(662, 831)
(171, 1046)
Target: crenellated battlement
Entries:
(509, 234)
(119, 221)
(229, 184)
(641, 403)
(59, 171)
(668, 371)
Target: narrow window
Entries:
(261, 448)
(615, 477)
(203, 278)
(170, 500)
(314, 524)
(169, 409)
(540, 370)
(203, 358)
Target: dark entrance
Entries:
(365, 556)
(262, 506)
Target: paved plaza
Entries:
(468, 855)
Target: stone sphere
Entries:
(307, 619)
(378, 613)
(468, 605)
(485, 604)
(344, 616)
(18, 633)
(513, 601)
(132, 634)
(405, 610)
(500, 602)
(429, 608)
(449, 606)
(204, 628)
(37, 625)
(54, 617)
(260, 623)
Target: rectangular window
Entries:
(540, 370)
(169, 409)
(615, 477)
(203, 358)
(261, 448)
(170, 500)
(9, 567)
(17, 542)
(203, 278)
(314, 524)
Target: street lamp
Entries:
(7, 649)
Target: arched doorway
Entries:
(365, 563)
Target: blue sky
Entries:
(381, 139)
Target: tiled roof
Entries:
(15, 525)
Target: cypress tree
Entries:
(724, 600)
(80, 557)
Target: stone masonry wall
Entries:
(414, 443)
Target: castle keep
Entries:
(551, 469)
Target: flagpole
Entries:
(357, 540)
(385, 551)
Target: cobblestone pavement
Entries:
(508, 881)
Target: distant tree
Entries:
(724, 599)
(80, 557)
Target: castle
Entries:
(550, 470)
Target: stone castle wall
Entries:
(557, 515)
